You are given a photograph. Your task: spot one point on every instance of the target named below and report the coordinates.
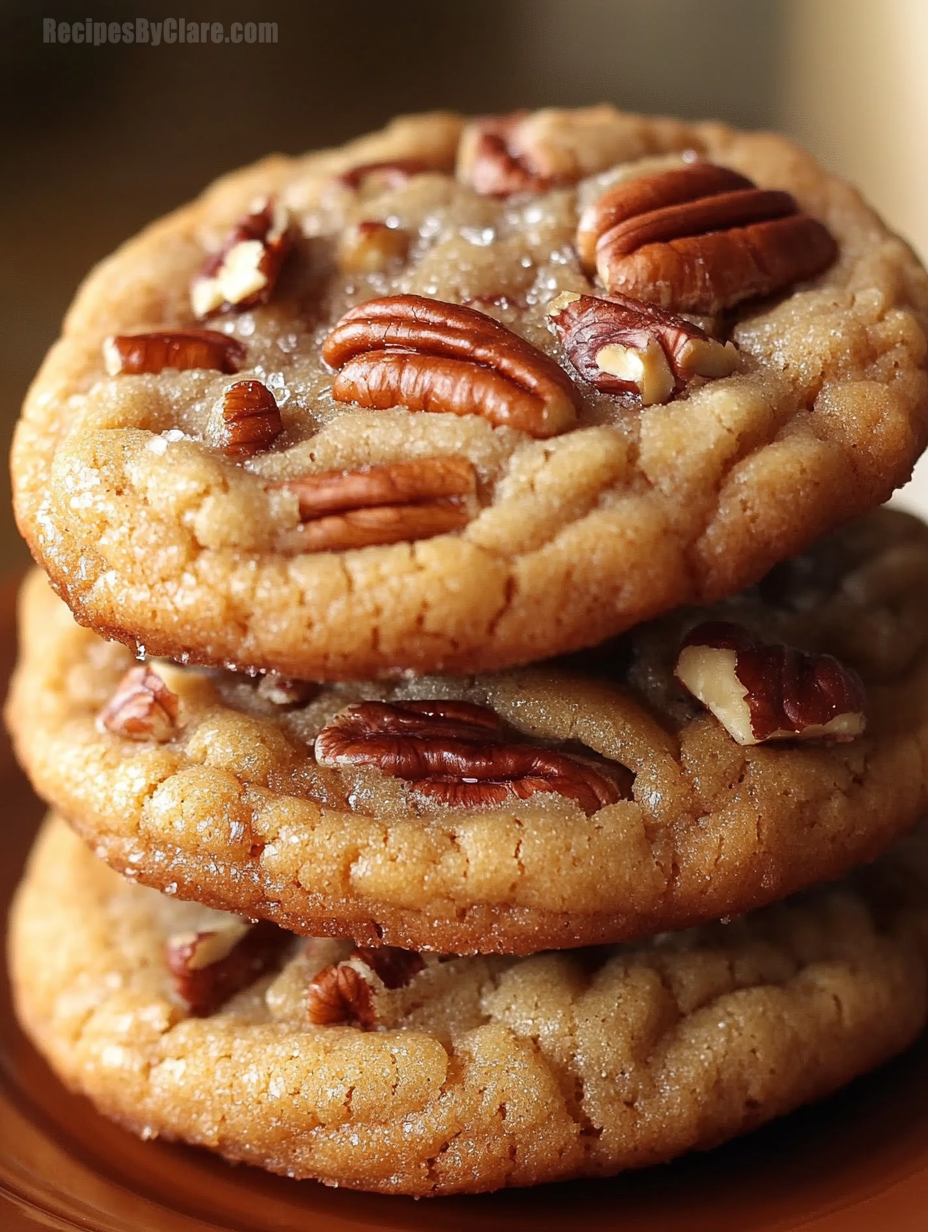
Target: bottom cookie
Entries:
(388, 1071)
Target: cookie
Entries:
(458, 397)
(552, 806)
(433, 1076)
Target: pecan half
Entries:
(760, 691)
(622, 345)
(392, 174)
(349, 992)
(426, 355)
(368, 247)
(639, 195)
(142, 708)
(457, 753)
(210, 967)
(245, 420)
(244, 272)
(131, 354)
(700, 239)
(394, 503)
(495, 163)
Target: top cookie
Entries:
(454, 419)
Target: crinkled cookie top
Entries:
(459, 396)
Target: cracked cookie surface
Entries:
(156, 534)
(586, 801)
(487, 1072)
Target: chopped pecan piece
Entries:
(142, 708)
(495, 163)
(282, 691)
(210, 967)
(394, 503)
(395, 967)
(340, 995)
(700, 239)
(393, 174)
(349, 992)
(457, 753)
(759, 691)
(245, 420)
(131, 354)
(244, 272)
(426, 355)
(623, 345)
(368, 247)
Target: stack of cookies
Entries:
(486, 638)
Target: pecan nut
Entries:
(760, 691)
(142, 708)
(457, 753)
(495, 163)
(131, 354)
(621, 345)
(394, 503)
(639, 195)
(245, 420)
(244, 272)
(700, 238)
(351, 992)
(427, 355)
(210, 967)
(369, 247)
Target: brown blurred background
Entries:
(95, 141)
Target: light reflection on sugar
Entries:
(480, 237)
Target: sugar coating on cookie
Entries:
(456, 397)
(588, 801)
(483, 1072)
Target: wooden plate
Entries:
(856, 1163)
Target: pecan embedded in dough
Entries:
(369, 247)
(350, 992)
(245, 420)
(244, 272)
(623, 345)
(457, 753)
(701, 239)
(142, 708)
(392, 503)
(761, 692)
(428, 355)
(211, 966)
(131, 354)
(495, 163)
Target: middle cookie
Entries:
(702, 766)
